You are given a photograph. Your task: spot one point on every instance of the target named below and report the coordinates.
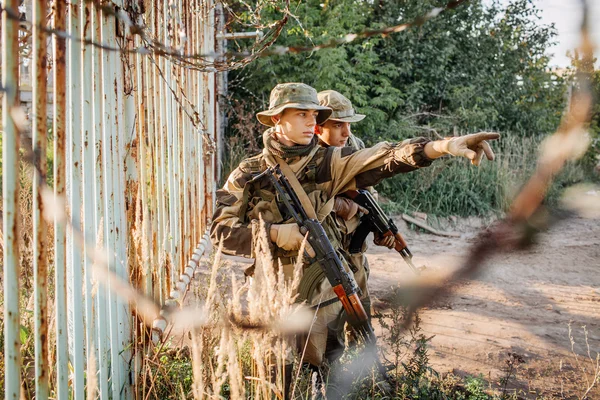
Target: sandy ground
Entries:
(522, 303)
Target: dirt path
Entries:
(522, 303)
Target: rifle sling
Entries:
(313, 275)
(300, 192)
(326, 303)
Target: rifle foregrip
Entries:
(400, 241)
(352, 305)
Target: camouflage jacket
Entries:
(348, 227)
(328, 172)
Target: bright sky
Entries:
(566, 16)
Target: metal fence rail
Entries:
(135, 164)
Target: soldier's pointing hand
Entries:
(473, 147)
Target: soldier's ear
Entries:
(318, 129)
(275, 119)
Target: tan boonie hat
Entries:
(342, 107)
(293, 95)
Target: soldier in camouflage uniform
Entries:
(293, 113)
(336, 132)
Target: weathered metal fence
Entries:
(135, 164)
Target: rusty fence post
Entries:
(134, 177)
(100, 221)
(10, 197)
(60, 261)
(40, 231)
(89, 183)
(74, 194)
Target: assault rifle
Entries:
(376, 221)
(343, 284)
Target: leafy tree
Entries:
(477, 67)
(586, 65)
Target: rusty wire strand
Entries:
(262, 48)
(154, 46)
(195, 118)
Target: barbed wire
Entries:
(151, 44)
(227, 60)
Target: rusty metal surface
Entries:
(101, 301)
(40, 238)
(74, 188)
(134, 171)
(10, 200)
(88, 194)
(60, 103)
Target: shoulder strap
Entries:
(291, 177)
(272, 160)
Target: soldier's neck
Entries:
(281, 138)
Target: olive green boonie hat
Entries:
(293, 95)
(341, 106)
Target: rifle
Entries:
(376, 221)
(343, 284)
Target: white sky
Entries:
(566, 16)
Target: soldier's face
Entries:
(295, 126)
(335, 133)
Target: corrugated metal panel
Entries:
(129, 170)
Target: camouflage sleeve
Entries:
(351, 169)
(227, 229)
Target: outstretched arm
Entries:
(367, 167)
(472, 146)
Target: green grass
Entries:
(451, 186)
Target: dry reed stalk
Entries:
(256, 316)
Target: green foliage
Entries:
(171, 376)
(475, 388)
(478, 67)
(475, 67)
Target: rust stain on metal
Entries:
(154, 203)
(87, 23)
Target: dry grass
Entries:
(241, 339)
(587, 366)
(245, 361)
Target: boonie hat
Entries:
(293, 95)
(341, 106)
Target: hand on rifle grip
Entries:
(347, 208)
(289, 237)
(385, 241)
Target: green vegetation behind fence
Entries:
(476, 68)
